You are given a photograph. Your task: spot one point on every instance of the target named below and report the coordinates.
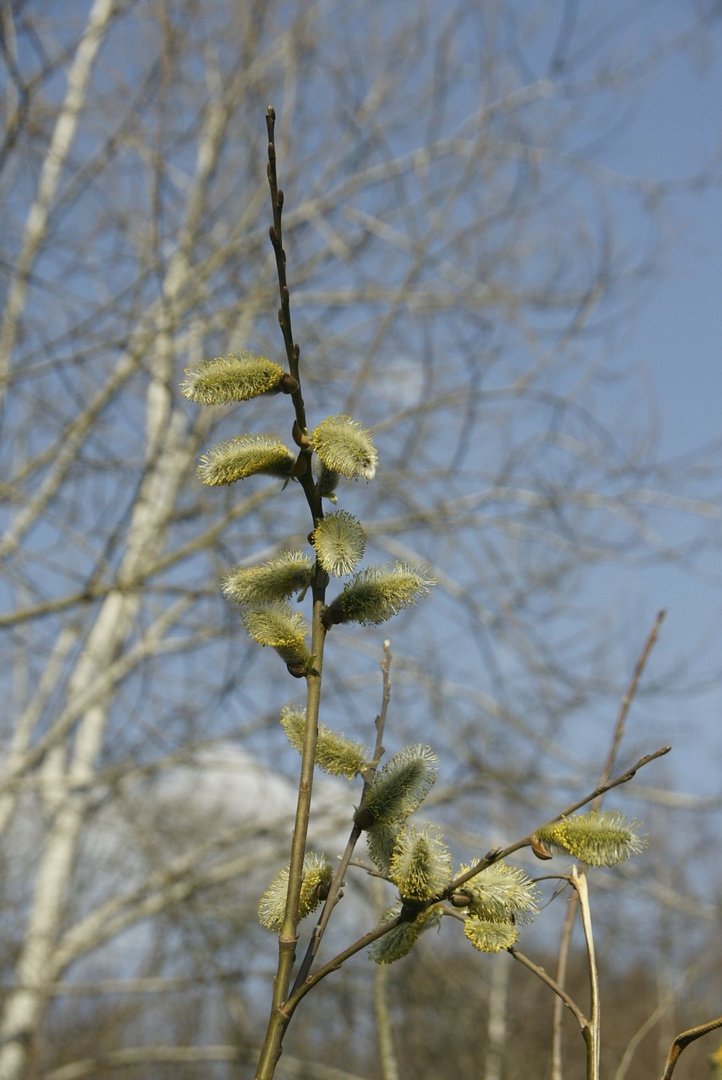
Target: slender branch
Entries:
(682, 1042)
(553, 985)
(288, 938)
(589, 1027)
(592, 1035)
(334, 892)
(567, 929)
(388, 1059)
(387, 1052)
(502, 853)
(302, 468)
(561, 974)
(279, 1017)
(276, 235)
(629, 696)
(335, 963)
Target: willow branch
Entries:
(617, 736)
(553, 985)
(288, 938)
(334, 892)
(682, 1042)
(592, 1034)
(502, 853)
(629, 696)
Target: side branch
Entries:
(547, 979)
(300, 990)
(495, 856)
(682, 1042)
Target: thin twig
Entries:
(302, 468)
(579, 882)
(562, 964)
(682, 1042)
(570, 917)
(335, 963)
(334, 892)
(553, 985)
(287, 940)
(628, 698)
(502, 853)
(384, 1029)
(276, 235)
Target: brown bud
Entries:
(322, 890)
(540, 849)
(297, 669)
(299, 436)
(288, 385)
(460, 899)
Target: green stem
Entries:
(278, 1019)
(337, 882)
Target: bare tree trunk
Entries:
(66, 124)
(36, 967)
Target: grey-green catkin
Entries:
(377, 594)
(232, 378)
(288, 573)
(381, 841)
(399, 941)
(598, 838)
(501, 892)
(490, 935)
(345, 447)
(340, 542)
(244, 456)
(317, 875)
(335, 754)
(421, 863)
(281, 628)
(400, 786)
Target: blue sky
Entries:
(675, 336)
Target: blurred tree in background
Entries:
(460, 260)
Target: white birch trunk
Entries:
(167, 460)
